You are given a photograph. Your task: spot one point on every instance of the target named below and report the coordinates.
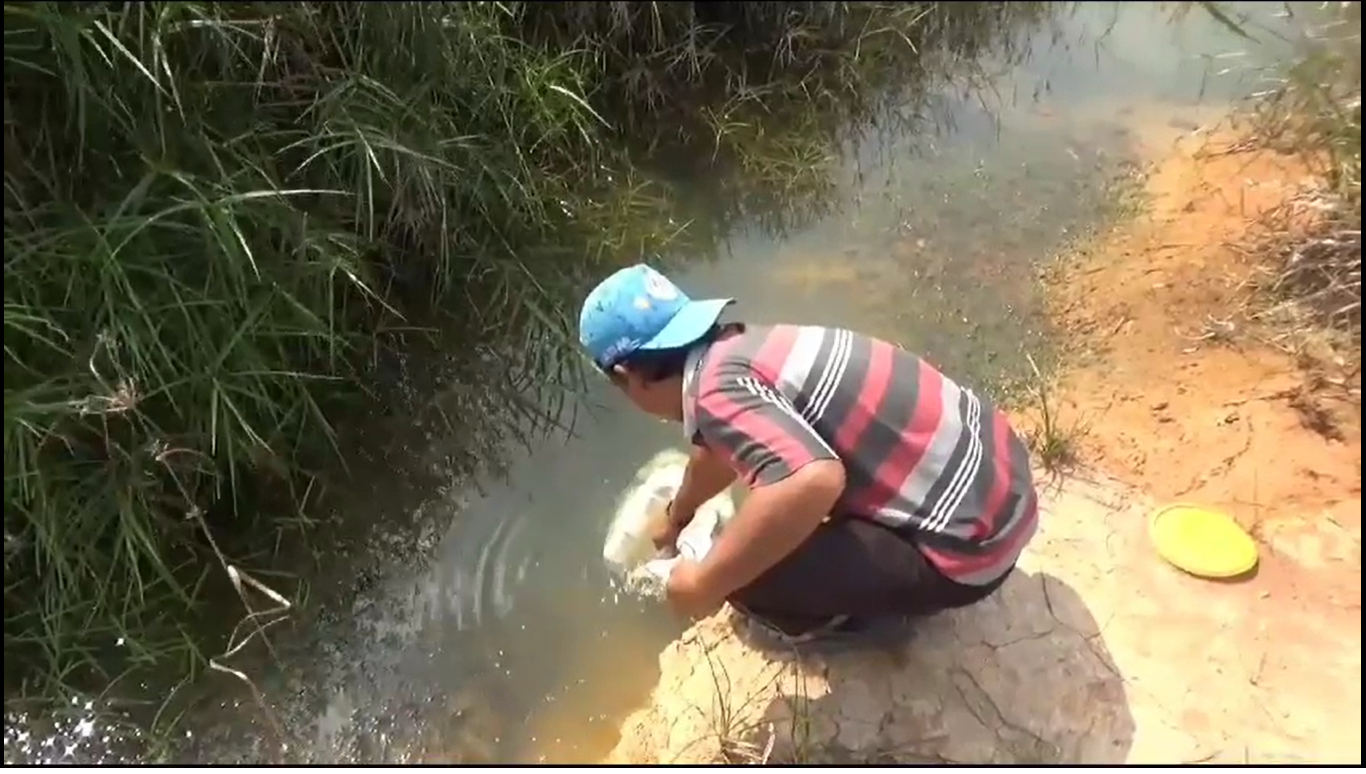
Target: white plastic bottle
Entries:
(643, 511)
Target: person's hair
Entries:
(656, 365)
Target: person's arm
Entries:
(705, 477)
(774, 520)
(794, 477)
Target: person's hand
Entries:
(686, 593)
(652, 578)
(665, 536)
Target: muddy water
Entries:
(508, 644)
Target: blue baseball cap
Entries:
(638, 309)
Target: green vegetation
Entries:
(220, 219)
(210, 211)
(1055, 442)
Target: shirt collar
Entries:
(692, 371)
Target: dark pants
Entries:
(857, 568)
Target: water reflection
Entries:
(500, 638)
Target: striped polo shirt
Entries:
(921, 454)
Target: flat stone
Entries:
(1093, 652)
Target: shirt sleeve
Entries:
(757, 429)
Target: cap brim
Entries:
(690, 324)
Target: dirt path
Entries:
(1098, 652)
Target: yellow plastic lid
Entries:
(1203, 542)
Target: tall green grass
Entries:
(219, 216)
(210, 210)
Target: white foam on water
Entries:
(627, 548)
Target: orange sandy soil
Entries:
(1174, 387)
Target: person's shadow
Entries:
(1022, 677)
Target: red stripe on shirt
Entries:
(925, 419)
(990, 519)
(955, 564)
(759, 429)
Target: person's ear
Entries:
(621, 374)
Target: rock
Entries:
(1025, 677)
